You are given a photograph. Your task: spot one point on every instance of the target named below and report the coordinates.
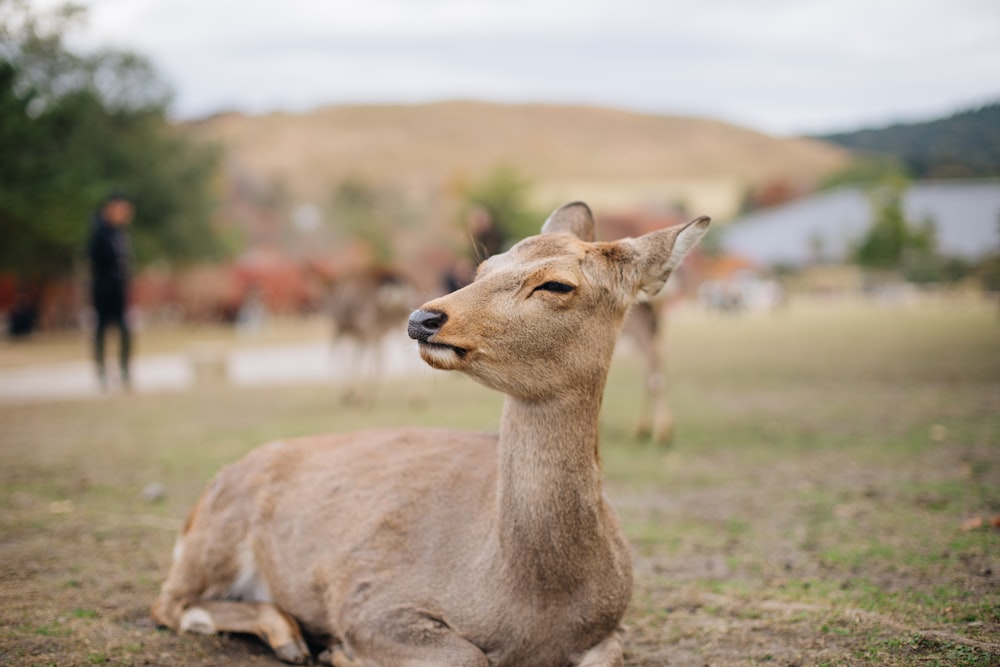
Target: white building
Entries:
(825, 226)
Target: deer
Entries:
(645, 327)
(406, 547)
(364, 306)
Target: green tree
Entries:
(866, 171)
(887, 239)
(75, 126)
(368, 213)
(890, 237)
(966, 144)
(892, 244)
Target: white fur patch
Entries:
(440, 357)
(178, 548)
(248, 585)
(196, 619)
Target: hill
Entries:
(609, 157)
(962, 145)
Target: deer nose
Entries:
(425, 323)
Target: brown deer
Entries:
(645, 326)
(364, 303)
(364, 306)
(414, 547)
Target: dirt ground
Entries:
(826, 501)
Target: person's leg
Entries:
(116, 315)
(124, 348)
(99, 330)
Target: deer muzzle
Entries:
(425, 323)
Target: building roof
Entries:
(825, 226)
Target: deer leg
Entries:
(608, 653)
(276, 628)
(365, 371)
(642, 326)
(663, 433)
(406, 638)
(352, 374)
(375, 347)
(663, 419)
(644, 421)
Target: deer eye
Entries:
(554, 286)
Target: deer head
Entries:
(542, 318)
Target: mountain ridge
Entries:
(964, 144)
(606, 155)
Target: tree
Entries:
(365, 213)
(966, 144)
(887, 239)
(891, 244)
(866, 171)
(75, 126)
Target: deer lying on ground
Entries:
(413, 547)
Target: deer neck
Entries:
(550, 508)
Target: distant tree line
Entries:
(964, 145)
(75, 126)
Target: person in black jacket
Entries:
(110, 263)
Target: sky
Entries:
(784, 67)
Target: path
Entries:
(317, 362)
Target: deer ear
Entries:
(660, 252)
(574, 218)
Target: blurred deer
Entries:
(646, 326)
(406, 547)
(364, 306)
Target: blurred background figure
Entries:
(366, 306)
(110, 253)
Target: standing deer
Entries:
(645, 326)
(413, 547)
(364, 306)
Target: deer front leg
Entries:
(279, 630)
(655, 419)
(608, 653)
(663, 421)
(405, 638)
(647, 406)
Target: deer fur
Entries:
(415, 547)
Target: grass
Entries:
(809, 512)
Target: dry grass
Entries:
(810, 511)
(621, 156)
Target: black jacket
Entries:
(110, 254)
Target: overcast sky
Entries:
(780, 66)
